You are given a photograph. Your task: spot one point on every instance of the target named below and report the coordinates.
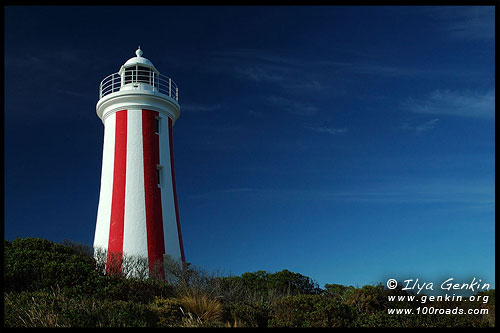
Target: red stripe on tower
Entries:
(154, 219)
(171, 145)
(115, 243)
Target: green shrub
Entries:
(248, 314)
(383, 319)
(32, 264)
(35, 264)
(54, 309)
(128, 314)
(285, 281)
(368, 299)
(169, 311)
(294, 283)
(133, 290)
(262, 286)
(338, 290)
(310, 311)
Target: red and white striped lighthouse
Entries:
(138, 213)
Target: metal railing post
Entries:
(169, 87)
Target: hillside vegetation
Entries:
(47, 284)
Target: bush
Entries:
(338, 290)
(128, 314)
(383, 319)
(248, 314)
(284, 281)
(262, 286)
(310, 311)
(35, 264)
(169, 312)
(133, 290)
(293, 283)
(54, 309)
(368, 299)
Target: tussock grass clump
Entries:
(202, 308)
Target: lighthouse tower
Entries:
(138, 215)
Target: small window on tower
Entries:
(158, 174)
(157, 125)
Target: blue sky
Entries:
(348, 144)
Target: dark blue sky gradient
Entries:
(348, 144)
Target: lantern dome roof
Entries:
(139, 60)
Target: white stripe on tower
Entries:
(170, 231)
(135, 233)
(105, 196)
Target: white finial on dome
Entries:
(138, 52)
(139, 59)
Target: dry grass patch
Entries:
(202, 308)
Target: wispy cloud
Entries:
(42, 62)
(292, 106)
(361, 68)
(200, 107)
(473, 194)
(260, 73)
(289, 73)
(467, 22)
(76, 93)
(455, 103)
(326, 129)
(296, 74)
(420, 128)
(255, 113)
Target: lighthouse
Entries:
(138, 214)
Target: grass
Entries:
(201, 308)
